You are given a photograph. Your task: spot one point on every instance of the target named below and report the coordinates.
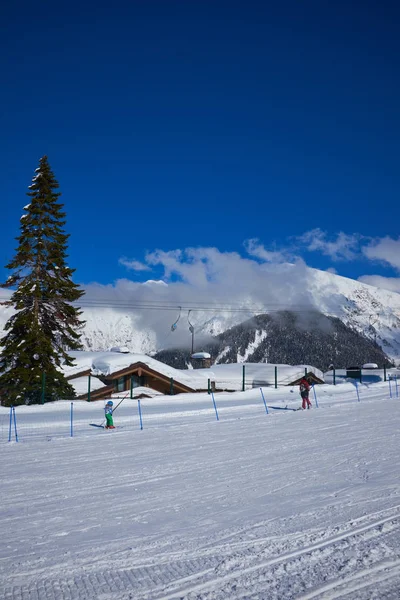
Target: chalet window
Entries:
(119, 384)
(137, 381)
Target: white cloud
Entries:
(211, 283)
(384, 249)
(133, 265)
(344, 247)
(254, 248)
(387, 283)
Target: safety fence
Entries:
(82, 418)
(64, 419)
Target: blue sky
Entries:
(270, 130)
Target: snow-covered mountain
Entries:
(371, 311)
(287, 338)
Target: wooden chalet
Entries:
(135, 375)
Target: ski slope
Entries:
(286, 505)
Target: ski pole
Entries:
(124, 398)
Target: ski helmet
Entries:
(109, 403)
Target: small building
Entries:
(312, 378)
(201, 360)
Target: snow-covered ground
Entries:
(284, 505)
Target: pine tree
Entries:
(45, 325)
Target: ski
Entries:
(104, 427)
(283, 408)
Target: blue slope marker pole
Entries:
(140, 414)
(390, 386)
(358, 394)
(315, 396)
(265, 404)
(15, 425)
(9, 429)
(72, 419)
(215, 406)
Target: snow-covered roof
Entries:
(81, 384)
(106, 363)
(225, 376)
(201, 355)
(82, 362)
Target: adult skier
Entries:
(304, 392)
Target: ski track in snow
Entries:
(302, 506)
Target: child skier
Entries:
(108, 409)
(304, 392)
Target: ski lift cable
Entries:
(169, 306)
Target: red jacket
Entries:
(304, 385)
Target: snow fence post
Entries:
(334, 376)
(397, 389)
(9, 429)
(215, 406)
(358, 394)
(131, 388)
(315, 396)
(140, 414)
(209, 386)
(15, 425)
(72, 419)
(243, 378)
(43, 386)
(88, 389)
(390, 387)
(276, 377)
(265, 404)
(171, 388)
(384, 372)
